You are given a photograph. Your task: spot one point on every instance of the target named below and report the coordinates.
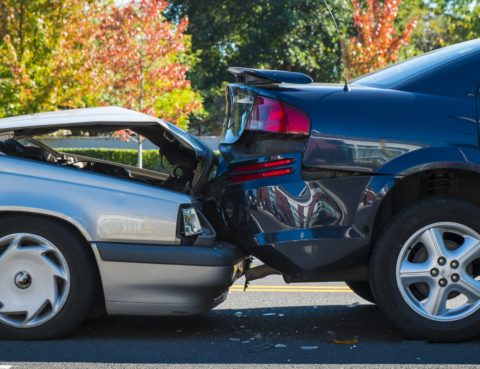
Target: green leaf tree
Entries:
(60, 54)
(277, 34)
(30, 31)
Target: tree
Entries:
(377, 42)
(29, 34)
(60, 54)
(277, 34)
(140, 60)
(442, 23)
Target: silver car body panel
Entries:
(104, 207)
(163, 289)
(113, 210)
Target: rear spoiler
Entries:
(250, 76)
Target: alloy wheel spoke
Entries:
(411, 273)
(432, 239)
(470, 288)
(468, 251)
(436, 303)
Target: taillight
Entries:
(260, 166)
(252, 176)
(270, 115)
(267, 169)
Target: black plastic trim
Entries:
(251, 76)
(208, 235)
(221, 255)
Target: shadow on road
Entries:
(296, 334)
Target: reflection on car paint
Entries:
(346, 153)
(313, 206)
(115, 227)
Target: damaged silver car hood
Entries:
(99, 116)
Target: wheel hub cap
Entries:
(23, 280)
(446, 272)
(34, 280)
(438, 271)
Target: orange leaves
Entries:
(128, 55)
(377, 43)
(140, 53)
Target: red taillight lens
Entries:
(252, 176)
(260, 166)
(269, 115)
(267, 169)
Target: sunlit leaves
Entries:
(138, 59)
(29, 33)
(377, 42)
(74, 53)
(274, 34)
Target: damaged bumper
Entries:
(154, 279)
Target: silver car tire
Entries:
(425, 270)
(47, 278)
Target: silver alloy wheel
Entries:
(34, 280)
(438, 271)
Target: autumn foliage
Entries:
(377, 42)
(104, 54)
(142, 56)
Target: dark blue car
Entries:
(376, 184)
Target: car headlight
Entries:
(191, 222)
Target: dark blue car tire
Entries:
(363, 290)
(415, 278)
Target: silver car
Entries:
(82, 236)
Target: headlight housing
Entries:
(191, 222)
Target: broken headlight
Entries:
(191, 222)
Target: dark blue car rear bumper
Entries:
(314, 229)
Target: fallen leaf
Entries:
(344, 342)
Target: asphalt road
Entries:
(317, 326)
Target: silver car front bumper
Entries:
(166, 280)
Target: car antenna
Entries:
(346, 88)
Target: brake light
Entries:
(270, 115)
(260, 166)
(252, 176)
(267, 169)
